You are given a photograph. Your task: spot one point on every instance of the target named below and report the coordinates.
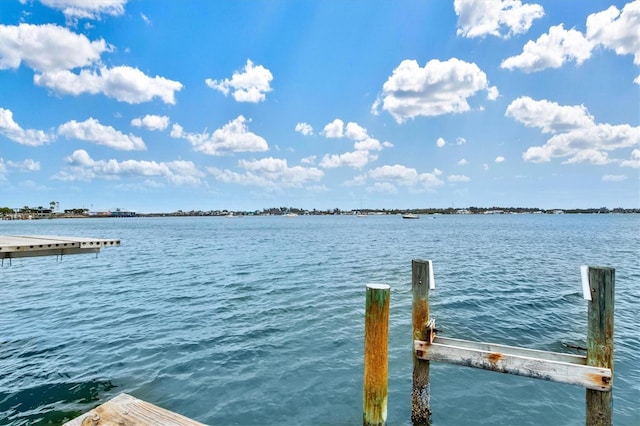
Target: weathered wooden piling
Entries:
(376, 354)
(420, 393)
(600, 341)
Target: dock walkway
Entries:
(16, 246)
(125, 410)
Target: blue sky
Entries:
(159, 106)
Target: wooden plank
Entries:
(528, 363)
(420, 392)
(513, 350)
(376, 355)
(125, 410)
(600, 341)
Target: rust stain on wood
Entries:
(494, 357)
(420, 318)
(598, 379)
(376, 357)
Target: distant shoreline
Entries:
(40, 215)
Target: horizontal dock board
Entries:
(552, 366)
(15, 246)
(126, 410)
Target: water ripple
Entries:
(260, 320)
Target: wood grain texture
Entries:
(125, 410)
(551, 366)
(420, 392)
(600, 342)
(376, 355)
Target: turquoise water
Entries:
(260, 320)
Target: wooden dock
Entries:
(16, 246)
(125, 410)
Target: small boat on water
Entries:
(290, 214)
(410, 216)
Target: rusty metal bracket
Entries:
(430, 331)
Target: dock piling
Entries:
(600, 341)
(420, 394)
(376, 354)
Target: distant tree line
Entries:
(54, 208)
(279, 211)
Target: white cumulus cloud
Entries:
(575, 133)
(356, 159)
(550, 117)
(617, 29)
(12, 130)
(355, 132)
(611, 29)
(370, 144)
(232, 137)
(335, 129)
(270, 173)
(84, 168)
(406, 176)
(601, 137)
(437, 88)
(91, 130)
(634, 162)
(363, 145)
(93, 9)
(250, 85)
(592, 156)
(27, 165)
(47, 48)
(441, 142)
(304, 128)
(551, 50)
(500, 18)
(151, 122)
(123, 83)
(499, 159)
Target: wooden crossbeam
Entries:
(551, 366)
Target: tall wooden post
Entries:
(376, 355)
(600, 341)
(420, 394)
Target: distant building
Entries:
(123, 213)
